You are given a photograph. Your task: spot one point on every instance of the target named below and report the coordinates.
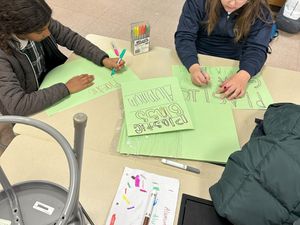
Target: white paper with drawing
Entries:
(132, 198)
(155, 106)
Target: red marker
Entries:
(113, 219)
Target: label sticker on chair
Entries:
(5, 222)
(43, 208)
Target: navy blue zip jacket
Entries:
(191, 38)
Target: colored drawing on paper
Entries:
(131, 200)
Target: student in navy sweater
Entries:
(235, 29)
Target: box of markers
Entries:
(140, 37)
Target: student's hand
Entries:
(198, 76)
(111, 63)
(235, 86)
(78, 83)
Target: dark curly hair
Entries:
(21, 17)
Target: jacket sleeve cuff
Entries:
(102, 58)
(190, 61)
(65, 90)
(250, 69)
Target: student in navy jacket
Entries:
(235, 29)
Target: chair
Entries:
(18, 203)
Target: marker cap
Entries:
(192, 169)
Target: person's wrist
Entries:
(68, 88)
(194, 68)
(104, 61)
(243, 74)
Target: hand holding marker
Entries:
(119, 60)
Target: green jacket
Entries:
(261, 183)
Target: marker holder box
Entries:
(140, 37)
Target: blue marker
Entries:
(119, 60)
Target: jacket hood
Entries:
(277, 123)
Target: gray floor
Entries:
(112, 18)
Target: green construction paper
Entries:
(154, 106)
(103, 83)
(213, 139)
(257, 95)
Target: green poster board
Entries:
(257, 95)
(213, 139)
(103, 83)
(154, 106)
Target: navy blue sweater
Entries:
(191, 38)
